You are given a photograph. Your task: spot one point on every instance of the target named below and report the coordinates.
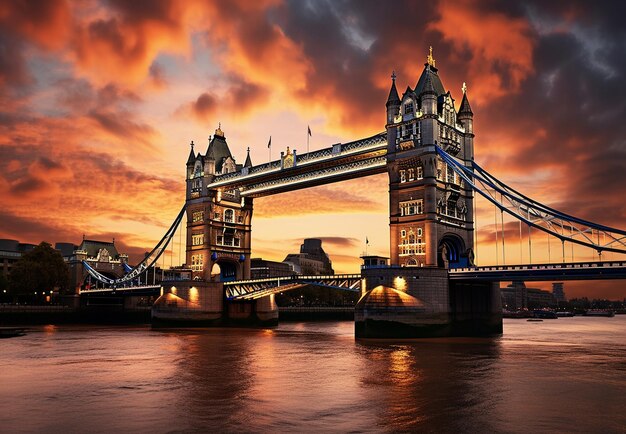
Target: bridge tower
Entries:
(430, 209)
(218, 220)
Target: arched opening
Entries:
(451, 252)
(228, 271)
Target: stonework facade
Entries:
(218, 220)
(431, 210)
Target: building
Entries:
(558, 292)
(262, 268)
(517, 296)
(102, 256)
(312, 259)
(10, 252)
(373, 261)
(431, 216)
(218, 221)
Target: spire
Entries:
(219, 131)
(430, 60)
(393, 98)
(192, 155)
(248, 162)
(465, 105)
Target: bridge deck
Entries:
(542, 272)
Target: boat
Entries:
(599, 312)
(564, 314)
(534, 320)
(544, 314)
(11, 332)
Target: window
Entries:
(419, 172)
(403, 233)
(229, 216)
(240, 219)
(408, 108)
(450, 209)
(450, 174)
(216, 216)
(228, 240)
(403, 176)
(197, 262)
(197, 239)
(412, 246)
(197, 216)
(411, 207)
(419, 232)
(411, 174)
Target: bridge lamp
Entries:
(194, 295)
(399, 283)
(173, 290)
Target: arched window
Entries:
(229, 216)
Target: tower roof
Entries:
(218, 149)
(465, 105)
(192, 155)
(393, 98)
(248, 162)
(429, 82)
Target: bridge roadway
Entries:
(543, 272)
(339, 162)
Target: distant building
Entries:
(558, 292)
(10, 252)
(261, 269)
(312, 259)
(517, 296)
(100, 255)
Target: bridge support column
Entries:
(189, 303)
(202, 304)
(411, 302)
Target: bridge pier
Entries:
(202, 304)
(410, 302)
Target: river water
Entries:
(553, 376)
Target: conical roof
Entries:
(393, 98)
(248, 162)
(192, 155)
(429, 82)
(465, 106)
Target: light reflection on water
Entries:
(561, 375)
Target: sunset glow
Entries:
(99, 101)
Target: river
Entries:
(552, 376)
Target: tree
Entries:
(41, 269)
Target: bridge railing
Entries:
(551, 266)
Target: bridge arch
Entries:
(451, 251)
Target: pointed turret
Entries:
(393, 101)
(192, 155)
(465, 108)
(393, 98)
(218, 149)
(248, 162)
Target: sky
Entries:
(99, 101)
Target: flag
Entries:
(309, 128)
(269, 144)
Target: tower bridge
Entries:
(432, 287)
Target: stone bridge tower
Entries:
(430, 209)
(218, 220)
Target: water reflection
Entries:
(429, 384)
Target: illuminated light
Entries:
(161, 290)
(173, 290)
(194, 294)
(399, 283)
